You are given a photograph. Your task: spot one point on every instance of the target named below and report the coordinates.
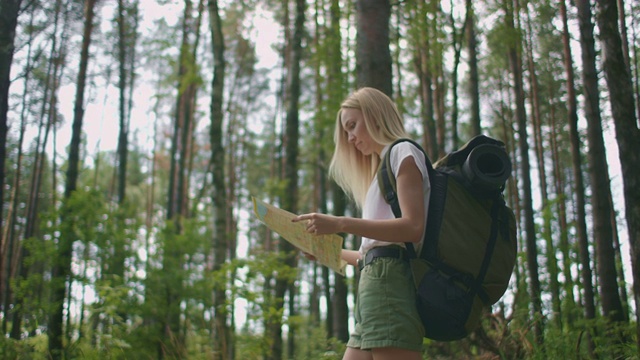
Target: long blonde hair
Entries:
(352, 170)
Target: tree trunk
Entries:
(373, 57)
(458, 37)
(472, 53)
(9, 11)
(627, 135)
(552, 263)
(61, 271)
(220, 331)
(337, 323)
(527, 203)
(290, 198)
(172, 341)
(340, 328)
(598, 171)
(586, 274)
(8, 245)
(122, 88)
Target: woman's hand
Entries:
(319, 224)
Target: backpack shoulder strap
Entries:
(388, 186)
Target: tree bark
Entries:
(621, 99)
(221, 336)
(527, 203)
(474, 87)
(338, 319)
(9, 11)
(373, 57)
(586, 274)
(290, 173)
(341, 290)
(172, 340)
(598, 172)
(536, 117)
(62, 265)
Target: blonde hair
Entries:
(352, 170)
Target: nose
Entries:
(351, 137)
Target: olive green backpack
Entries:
(469, 248)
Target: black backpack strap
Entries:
(388, 187)
(498, 204)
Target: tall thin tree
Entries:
(9, 11)
(290, 198)
(220, 331)
(618, 77)
(576, 161)
(61, 271)
(472, 55)
(598, 171)
(515, 62)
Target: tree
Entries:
(537, 119)
(338, 320)
(598, 172)
(515, 62)
(290, 198)
(422, 59)
(616, 70)
(127, 24)
(373, 57)
(9, 11)
(474, 92)
(220, 246)
(578, 178)
(61, 271)
(172, 335)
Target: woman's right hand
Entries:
(319, 224)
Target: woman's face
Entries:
(357, 134)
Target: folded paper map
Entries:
(325, 248)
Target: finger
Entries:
(300, 218)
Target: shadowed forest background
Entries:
(133, 134)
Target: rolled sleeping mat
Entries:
(487, 167)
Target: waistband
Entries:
(391, 251)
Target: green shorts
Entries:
(385, 311)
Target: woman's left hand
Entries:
(319, 224)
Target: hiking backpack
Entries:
(469, 248)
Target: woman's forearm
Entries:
(350, 256)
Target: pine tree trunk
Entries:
(62, 265)
(337, 322)
(8, 245)
(340, 315)
(290, 198)
(472, 53)
(552, 264)
(458, 37)
(627, 133)
(586, 274)
(221, 336)
(9, 11)
(373, 57)
(598, 172)
(172, 341)
(122, 87)
(527, 202)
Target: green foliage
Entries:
(31, 348)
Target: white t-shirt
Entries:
(375, 207)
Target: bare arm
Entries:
(350, 256)
(407, 228)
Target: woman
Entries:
(387, 323)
